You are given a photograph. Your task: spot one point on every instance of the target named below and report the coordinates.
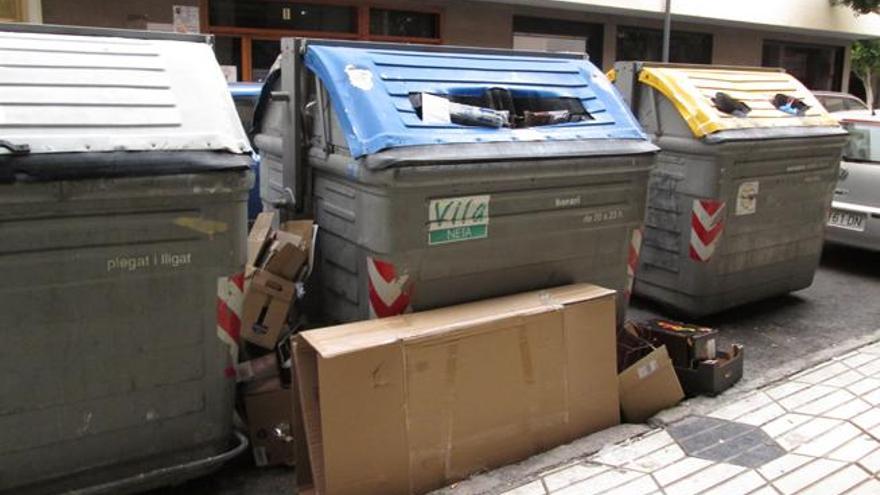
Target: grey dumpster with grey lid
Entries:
(417, 213)
(737, 203)
(123, 184)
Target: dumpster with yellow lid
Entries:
(738, 199)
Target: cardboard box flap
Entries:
(351, 337)
(649, 386)
(259, 236)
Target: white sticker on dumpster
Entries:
(747, 198)
(458, 219)
(359, 77)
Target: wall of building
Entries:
(812, 15)
(131, 14)
(490, 24)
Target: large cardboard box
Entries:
(411, 403)
(649, 386)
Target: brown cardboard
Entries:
(256, 369)
(270, 421)
(259, 237)
(285, 257)
(266, 304)
(649, 386)
(412, 403)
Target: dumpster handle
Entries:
(15, 149)
(143, 478)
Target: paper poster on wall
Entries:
(186, 19)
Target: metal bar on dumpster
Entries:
(667, 30)
(291, 66)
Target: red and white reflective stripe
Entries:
(707, 222)
(230, 297)
(389, 292)
(632, 262)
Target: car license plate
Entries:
(848, 220)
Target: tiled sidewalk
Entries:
(817, 432)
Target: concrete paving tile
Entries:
(839, 482)
(703, 479)
(612, 478)
(784, 424)
(565, 476)
(806, 475)
(871, 462)
(867, 419)
(657, 459)
(710, 438)
(743, 483)
(871, 368)
(870, 487)
(855, 449)
(692, 425)
(806, 432)
(848, 410)
(678, 470)
(639, 486)
(864, 386)
(785, 389)
(809, 394)
(871, 349)
(872, 397)
(823, 444)
(742, 406)
(758, 456)
(767, 490)
(827, 403)
(782, 466)
(821, 373)
(844, 379)
(533, 488)
(763, 415)
(618, 455)
(856, 359)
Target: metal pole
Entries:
(667, 29)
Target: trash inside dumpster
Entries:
(124, 191)
(442, 175)
(743, 183)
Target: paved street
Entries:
(814, 433)
(840, 312)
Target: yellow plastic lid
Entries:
(691, 91)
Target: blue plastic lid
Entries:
(370, 90)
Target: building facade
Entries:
(810, 38)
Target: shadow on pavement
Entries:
(851, 260)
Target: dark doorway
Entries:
(819, 67)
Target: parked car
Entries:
(855, 210)
(245, 96)
(834, 101)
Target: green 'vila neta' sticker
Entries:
(458, 219)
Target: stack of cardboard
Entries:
(278, 263)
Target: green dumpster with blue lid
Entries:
(440, 175)
(124, 175)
